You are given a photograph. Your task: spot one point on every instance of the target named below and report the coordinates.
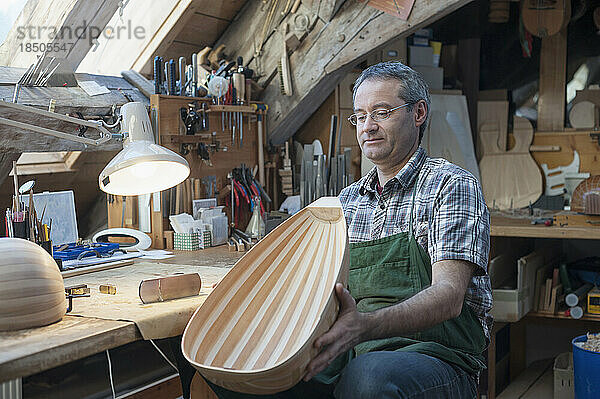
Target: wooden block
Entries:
(157, 233)
(171, 287)
(169, 239)
(583, 115)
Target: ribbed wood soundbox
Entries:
(255, 331)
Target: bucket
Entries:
(586, 371)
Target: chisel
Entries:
(157, 75)
(173, 79)
(194, 75)
(182, 80)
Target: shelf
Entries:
(586, 316)
(506, 227)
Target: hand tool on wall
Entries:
(261, 110)
(182, 73)
(239, 83)
(158, 71)
(194, 75)
(171, 79)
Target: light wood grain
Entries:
(30, 351)
(542, 20)
(32, 292)
(553, 80)
(255, 332)
(510, 179)
(505, 227)
(170, 287)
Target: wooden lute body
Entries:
(255, 331)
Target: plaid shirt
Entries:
(450, 218)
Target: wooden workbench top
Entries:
(30, 351)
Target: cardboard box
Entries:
(418, 55)
(434, 76)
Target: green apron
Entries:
(389, 270)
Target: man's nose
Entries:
(369, 125)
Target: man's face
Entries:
(390, 141)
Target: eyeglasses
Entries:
(377, 115)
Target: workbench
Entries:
(31, 351)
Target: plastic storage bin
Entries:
(563, 376)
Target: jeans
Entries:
(381, 375)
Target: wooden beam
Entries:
(468, 73)
(553, 80)
(6, 164)
(67, 27)
(318, 69)
(68, 100)
(328, 8)
(172, 25)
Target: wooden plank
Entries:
(553, 75)
(328, 9)
(172, 24)
(68, 100)
(6, 165)
(468, 74)
(528, 379)
(505, 227)
(30, 351)
(81, 21)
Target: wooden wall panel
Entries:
(170, 124)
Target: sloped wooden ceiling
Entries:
(201, 25)
(333, 41)
(40, 23)
(171, 29)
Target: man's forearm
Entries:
(427, 308)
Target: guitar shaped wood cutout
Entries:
(544, 18)
(510, 179)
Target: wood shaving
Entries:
(592, 343)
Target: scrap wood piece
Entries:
(171, 287)
(397, 8)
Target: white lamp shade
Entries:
(142, 167)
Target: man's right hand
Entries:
(347, 331)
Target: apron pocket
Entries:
(382, 285)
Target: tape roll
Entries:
(142, 240)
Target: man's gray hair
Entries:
(413, 86)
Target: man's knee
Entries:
(366, 377)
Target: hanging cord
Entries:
(163, 355)
(112, 385)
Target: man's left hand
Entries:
(346, 332)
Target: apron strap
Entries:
(412, 203)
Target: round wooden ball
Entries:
(32, 291)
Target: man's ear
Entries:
(420, 112)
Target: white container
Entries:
(563, 376)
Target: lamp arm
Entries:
(105, 135)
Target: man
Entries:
(414, 322)
(419, 234)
